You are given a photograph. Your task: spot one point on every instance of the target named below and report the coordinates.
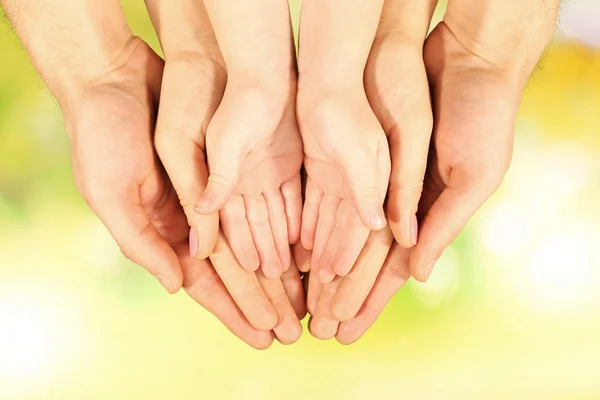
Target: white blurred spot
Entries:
(35, 336)
(506, 229)
(563, 273)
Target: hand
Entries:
(109, 107)
(346, 151)
(472, 95)
(249, 305)
(477, 72)
(253, 144)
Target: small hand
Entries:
(346, 151)
(253, 144)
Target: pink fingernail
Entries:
(377, 221)
(204, 203)
(193, 242)
(414, 229)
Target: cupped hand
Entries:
(478, 61)
(119, 175)
(476, 86)
(346, 151)
(253, 144)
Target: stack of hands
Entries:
(268, 185)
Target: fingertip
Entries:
(341, 312)
(326, 275)
(322, 328)
(377, 221)
(251, 264)
(263, 341)
(272, 273)
(345, 339)
(421, 269)
(205, 204)
(290, 333)
(372, 217)
(268, 321)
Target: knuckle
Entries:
(396, 271)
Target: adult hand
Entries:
(108, 94)
(346, 151)
(477, 77)
(478, 61)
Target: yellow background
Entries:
(512, 310)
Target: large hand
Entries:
(478, 61)
(346, 151)
(253, 144)
(118, 173)
(472, 96)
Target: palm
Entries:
(338, 133)
(274, 160)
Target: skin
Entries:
(477, 73)
(346, 154)
(253, 144)
(109, 98)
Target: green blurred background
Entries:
(512, 310)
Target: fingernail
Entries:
(326, 276)
(377, 221)
(204, 203)
(414, 229)
(429, 270)
(193, 242)
(164, 282)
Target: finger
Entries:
(238, 234)
(292, 197)
(187, 106)
(310, 213)
(444, 221)
(302, 257)
(322, 325)
(337, 241)
(325, 226)
(398, 90)
(355, 287)
(392, 277)
(409, 145)
(361, 166)
(258, 219)
(243, 287)
(313, 293)
(294, 289)
(140, 241)
(279, 228)
(202, 284)
(225, 156)
(288, 329)
(184, 162)
(356, 235)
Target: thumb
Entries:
(224, 175)
(363, 168)
(184, 111)
(139, 240)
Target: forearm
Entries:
(184, 29)
(504, 34)
(256, 41)
(335, 40)
(71, 42)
